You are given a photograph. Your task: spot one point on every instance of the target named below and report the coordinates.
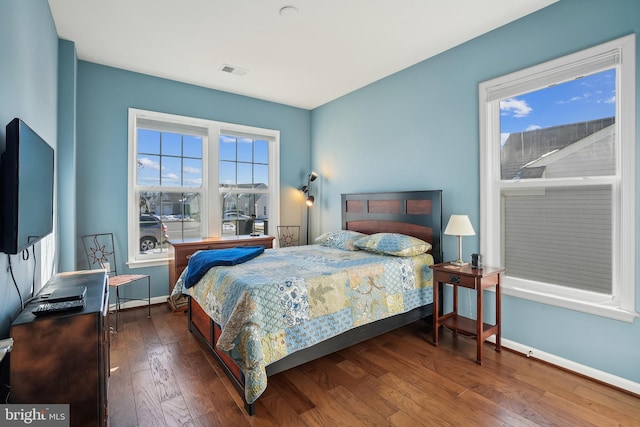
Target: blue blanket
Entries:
(202, 261)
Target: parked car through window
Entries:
(153, 232)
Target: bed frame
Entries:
(415, 213)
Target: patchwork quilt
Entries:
(291, 298)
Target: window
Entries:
(558, 180)
(244, 183)
(192, 178)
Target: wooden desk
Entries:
(467, 277)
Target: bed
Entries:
(288, 306)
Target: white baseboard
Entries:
(570, 365)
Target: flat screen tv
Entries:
(26, 189)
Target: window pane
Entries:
(192, 146)
(261, 207)
(229, 202)
(261, 175)
(171, 171)
(261, 151)
(244, 213)
(245, 150)
(565, 130)
(153, 232)
(148, 141)
(245, 175)
(547, 236)
(171, 144)
(148, 170)
(160, 160)
(178, 213)
(246, 171)
(227, 148)
(227, 174)
(192, 173)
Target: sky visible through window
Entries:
(169, 159)
(587, 98)
(175, 160)
(243, 161)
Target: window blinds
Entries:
(165, 126)
(554, 75)
(561, 236)
(262, 137)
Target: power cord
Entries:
(35, 264)
(15, 283)
(25, 257)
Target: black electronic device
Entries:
(476, 261)
(65, 294)
(57, 307)
(26, 188)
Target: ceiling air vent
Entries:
(226, 68)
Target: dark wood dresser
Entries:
(182, 250)
(63, 358)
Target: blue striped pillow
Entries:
(393, 244)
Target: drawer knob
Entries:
(454, 279)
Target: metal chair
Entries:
(101, 254)
(288, 235)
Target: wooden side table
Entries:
(467, 277)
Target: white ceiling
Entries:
(326, 50)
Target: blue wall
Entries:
(28, 90)
(104, 96)
(418, 129)
(67, 70)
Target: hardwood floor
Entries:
(162, 375)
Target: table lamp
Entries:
(459, 225)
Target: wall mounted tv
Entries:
(26, 189)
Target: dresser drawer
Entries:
(182, 255)
(454, 278)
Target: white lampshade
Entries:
(459, 225)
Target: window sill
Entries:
(608, 310)
(148, 263)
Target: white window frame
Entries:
(619, 53)
(210, 188)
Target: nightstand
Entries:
(467, 277)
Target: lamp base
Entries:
(459, 263)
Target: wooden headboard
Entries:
(414, 213)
